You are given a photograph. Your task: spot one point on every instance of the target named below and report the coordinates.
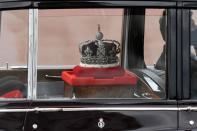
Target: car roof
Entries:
(12, 4)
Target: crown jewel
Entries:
(100, 52)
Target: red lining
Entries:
(13, 94)
(89, 77)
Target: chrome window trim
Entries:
(30, 52)
(32, 55)
(39, 67)
(35, 50)
(37, 109)
(55, 66)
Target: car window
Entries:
(82, 54)
(13, 54)
(193, 47)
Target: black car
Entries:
(98, 65)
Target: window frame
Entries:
(185, 47)
(171, 64)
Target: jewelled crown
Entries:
(100, 52)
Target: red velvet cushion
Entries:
(13, 94)
(98, 72)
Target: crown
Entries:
(100, 52)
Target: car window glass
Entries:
(80, 54)
(193, 57)
(13, 54)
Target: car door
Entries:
(187, 102)
(139, 92)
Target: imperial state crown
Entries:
(100, 52)
(99, 65)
